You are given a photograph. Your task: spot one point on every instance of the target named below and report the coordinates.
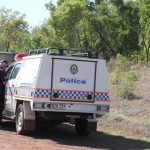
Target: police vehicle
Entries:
(58, 88)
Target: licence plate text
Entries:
(57, 106)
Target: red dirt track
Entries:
(63, 137)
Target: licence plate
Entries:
(57, 106)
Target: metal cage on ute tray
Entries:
(61, 52)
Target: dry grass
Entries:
(125, 126)
(130, 117)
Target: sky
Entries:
(34, 10)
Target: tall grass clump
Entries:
(123, 75)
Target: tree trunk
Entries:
(147, 56)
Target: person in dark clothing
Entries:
(3, 65)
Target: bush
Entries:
(116, 76)
(127, 85)
(122, 62)
(111, 65)
(124, 76)
(126, 90)
(131, 75)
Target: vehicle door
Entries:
(12, 73)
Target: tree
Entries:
(43, 37)
(128, 26)
(145, 26)
(110, 26)
(14, 34)
(65, 20)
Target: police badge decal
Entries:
(74, 69)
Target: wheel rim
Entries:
(20, 121)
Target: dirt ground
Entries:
(63, 137)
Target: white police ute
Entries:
(56, 88)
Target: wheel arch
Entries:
(18, 102)
(28, 117)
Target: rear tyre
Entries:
(20, 120)
(81, 127)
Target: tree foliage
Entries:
(110, 26)
(107, 26)
(144, 6)
(14, 35)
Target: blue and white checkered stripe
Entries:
(73, 94)
(102, 96)
(45, 93)
(42, 93)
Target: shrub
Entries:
(126, 87)
(131, 75)
(116, 76)
(122, 62)
(119, 62)
(124, 76)
(126, 90)
(111, 65)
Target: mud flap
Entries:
(29, 125)
(29, 117)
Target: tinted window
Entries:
(15, 71)
(9, 71)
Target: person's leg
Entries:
(1, 111)
(1, 103)
(1, 117)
